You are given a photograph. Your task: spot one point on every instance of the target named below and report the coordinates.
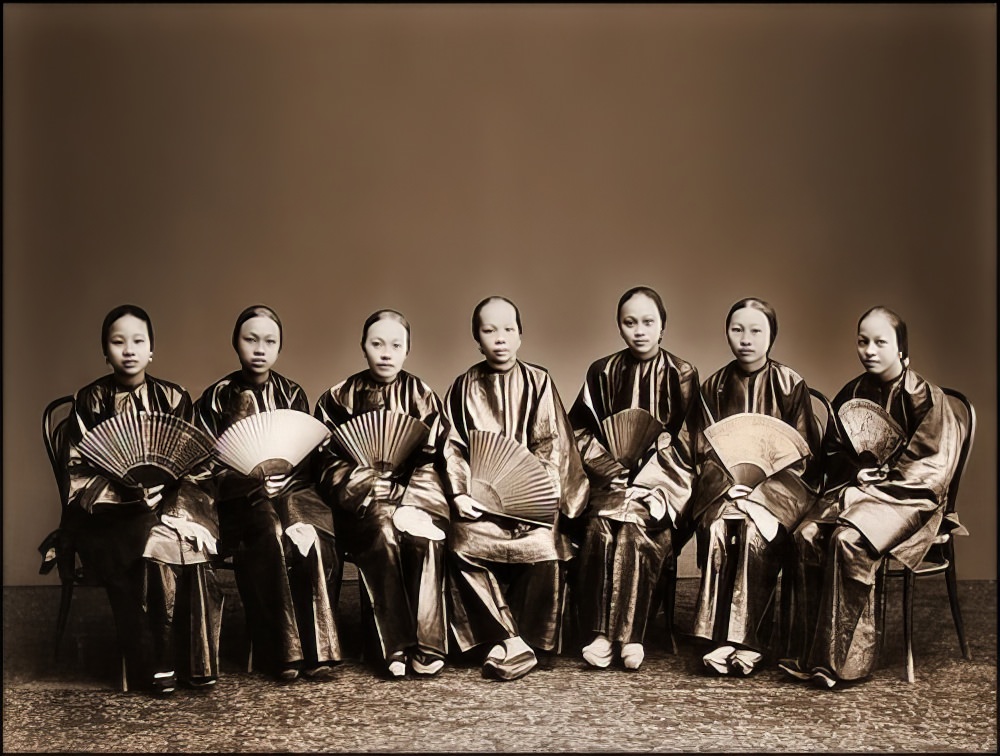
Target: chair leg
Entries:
(249, 655)
(882, 592)
(669, 595)
(908, 584)
(65, 600)
(956, 611)
(124, 676)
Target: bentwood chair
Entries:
(55, 432)
(941, 557)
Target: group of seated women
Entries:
(509, 514)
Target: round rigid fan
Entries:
(629, 434)
(381, 439)
(146, 449)
(873, 432)
(754, 447)
(509, 480)
(270, 443)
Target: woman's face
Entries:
(640, 326)
(385, 349)
(128, 347)
(257, 345)
(749, 338)
(878, 348)
(498, 334)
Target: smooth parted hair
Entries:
(386, 314)
(651, 293)
(258, 311)
(479, 309)
(898, 325)
(755, 303)
(119, 311)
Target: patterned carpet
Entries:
(668, 705)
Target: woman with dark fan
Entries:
(634, 422)
(745, 513)
(391, 513)
(272, 520)
(513, 475)
(150, 546)
(889, 460)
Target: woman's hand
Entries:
(738, 491)
(273, 484)
(197, 534)
(153, 496)
(869, 475)
(468, 507)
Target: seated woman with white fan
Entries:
(273, 521)
(513, 473)
(888, 465)
(391, 515)
(634, 421)
(756, 448)
(137, 518)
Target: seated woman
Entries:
(390, 510)
(276, 526)
(150, 548)
(869, 510)
(507, 575)
(743, 531)
(635, 502)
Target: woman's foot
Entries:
(718, 660)
(792, 668)
(397, 665)
(320, 672)
(597, 653)
(164, 683)
(632, 655)
(517, 661)
(423, 663)
(287, 672)
(201, 683)
(743, 661)
(824, 678)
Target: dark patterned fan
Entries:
(873, 432)
(146, 449)
(630, 433)
(509, 480)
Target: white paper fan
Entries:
(630, 433)
(754, 447)
(873, 431)
(271, 443)
(509, 480)
(146, 449)
(381, 439)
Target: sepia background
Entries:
(329, 160)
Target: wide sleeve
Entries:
(670, 471)
(424, 486)
(342, 483)
(552, 441)
(902, 513)
(598, 463)
(787, 494)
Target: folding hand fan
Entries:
(146, 449)
(509, 480)
(754, 447)
(381, 439)
(630, 433)
(874, 434)
(270, 443)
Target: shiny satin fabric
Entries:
(624, 548)
(843, 543)
(287, 597)
(402, 573)
(739, 570)
(110, 527)
(521, 404)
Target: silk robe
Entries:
(168, 607)
(286, 596)
(738, 579)
(900, 516)
(402, 573)
(521, 404)
(624, 548)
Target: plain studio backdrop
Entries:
(330, 160)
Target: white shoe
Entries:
(718, 660)
(397, 669)
(742, 661)
(598, 652)
(633, 654)
(431, 668)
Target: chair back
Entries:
(965, 413)
(55, 429)
(822, 411)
